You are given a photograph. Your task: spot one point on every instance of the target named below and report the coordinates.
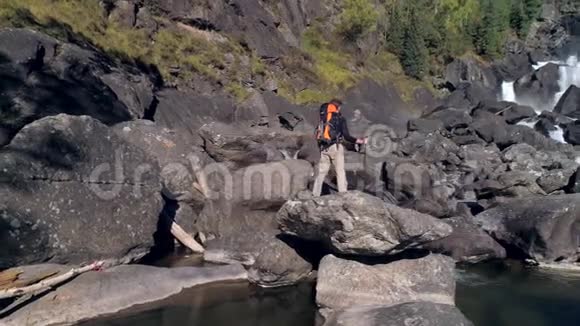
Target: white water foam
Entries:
(528, 123)
(569, 75)
(507, 92)
(558, 135)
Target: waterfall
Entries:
(507, 92)
(569, 75)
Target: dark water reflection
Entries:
(512, 294)
(489, 295)
(239, 305)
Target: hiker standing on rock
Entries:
(332, 131)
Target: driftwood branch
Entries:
(50, 282)
(186, 239)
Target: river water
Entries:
(500, 294)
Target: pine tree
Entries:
(396, 31)
(518, 17)
(414, 54)
(488, 38)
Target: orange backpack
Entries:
(327, 131)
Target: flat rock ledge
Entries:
(97, 294)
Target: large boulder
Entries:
(538, 88)
(469, 70)
(515, 64)
(451, 118)
(545, 229)
(511, 112)
(239, 234)
(41, 76)
(269, 260)
(406, 314)
(73, 191)
(490, 127)
(242, 146)
(359, 224)
(346, 283)
(467, 95)
(178, 157)
(518, 134)
(467, 243)
(569, 103)
(572, 133)
(99, 294)
(247, 203)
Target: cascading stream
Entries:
(569, 74)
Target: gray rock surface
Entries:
(345, 283)
(569, 104)
(413, 313)
(177, 156)
(467, 243)
(96, 294)
(270, 261)
(73, 191)
(541, 228)
(359, 224)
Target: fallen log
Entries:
(50, 282)
(186, 239)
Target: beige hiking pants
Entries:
(334, 155)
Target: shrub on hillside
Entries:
(357, 19)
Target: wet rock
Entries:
(346, 283)
(270, 261)
(538, 88)
(525, 135)
(545, 127)
(517, 113)
(421, 313)
(569, 104)
(556, 118)
(574, 184)
(467, 243)
(97, 294)
(552, 220)
(73, 191)
(358, 224)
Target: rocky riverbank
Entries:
(98, 160)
